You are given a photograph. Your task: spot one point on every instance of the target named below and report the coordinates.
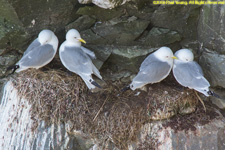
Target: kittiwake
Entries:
(189, 74)
(39, 53)
(77, 59)
(154, 68)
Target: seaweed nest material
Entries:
(59, 97)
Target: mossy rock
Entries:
(158, 37)
(12, 33)
(82, 23)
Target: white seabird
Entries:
(39, 53)
(189, 73)
(154, 68)
(77, 58)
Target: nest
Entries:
(59, 97)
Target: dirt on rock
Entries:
(188, 122)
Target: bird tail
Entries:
(125, 88)
(91, 84)
(211, 93)
(96, 72)
(13, 68)
(95, 84)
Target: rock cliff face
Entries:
(23, 129)
(211, 35)
(128, 29)
(108, 4)
(18, 131)
(121, 33)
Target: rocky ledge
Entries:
(45, 110)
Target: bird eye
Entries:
(186, 59)
(167, 56)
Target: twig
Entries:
(199, 98)
(100, 109)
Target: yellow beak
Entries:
(174, 57)
(81, 40)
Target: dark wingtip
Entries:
(125, 88)
(213, 94)
(14, 67)
(96, 84)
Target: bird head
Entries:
(74, 36)
(45, 36)
(185, 55)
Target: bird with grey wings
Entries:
(77, 58)
(39, 53)
(189, 73)
(154, 68)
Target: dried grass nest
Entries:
(57, 96)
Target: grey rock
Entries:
(116, 31)
(178, 18)
(213, 65)
(107, 4)
(3, 51)
(34, 16)
(160, 37)
(219, 102)
(183, 19)
(92, 38)
(21, 21)
(193, 45)
(141, 9)
(3, 81)
(99, 13)
(18, 130)
(37, 15)
(211, 35)
(7, 60)
(12, 33)
(82, 23)
(206, 136)
(211, 30)
(127, 57)
(123, 75)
